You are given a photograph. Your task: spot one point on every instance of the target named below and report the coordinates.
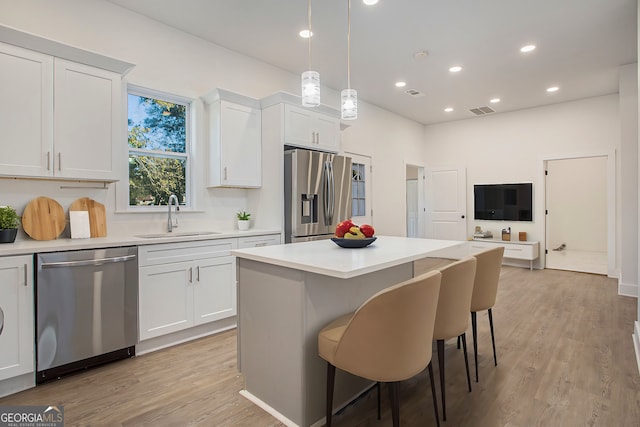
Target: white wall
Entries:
(391, 141)
(509, 147)
(175, 62)
(628, 283)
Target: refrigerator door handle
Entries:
(332, 197)
(327, 192)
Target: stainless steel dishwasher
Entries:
(86, 309)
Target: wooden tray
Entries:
(43, 219)
(97, 215)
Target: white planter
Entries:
(244, 225)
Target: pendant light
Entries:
(349, 97)
(310, 79)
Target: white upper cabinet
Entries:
(87, 121)
(26, 111)
(235, 143)
(307, 128)
(60, 119)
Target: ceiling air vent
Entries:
(414, 93)
(481, 111)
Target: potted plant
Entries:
(9, 222)
(243, 220)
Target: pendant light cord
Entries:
(309, 22)
(349, 44)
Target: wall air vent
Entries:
(414, 93)
(481, 111)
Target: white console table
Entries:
(527, 250)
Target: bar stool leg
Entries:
(331, 376)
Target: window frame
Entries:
(188, 155)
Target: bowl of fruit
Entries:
(350, 235)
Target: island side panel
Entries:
(325, 299)
(270, 331)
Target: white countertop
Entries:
(326, 258)
(31, 246)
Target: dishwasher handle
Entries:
(98, 261)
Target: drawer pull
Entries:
(261, 244)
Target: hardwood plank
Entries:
(565, 358)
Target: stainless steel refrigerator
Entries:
(317, 194)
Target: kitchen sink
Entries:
(184, 234)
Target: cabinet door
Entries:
(16, 316)
(214, 289)
(87, 117)
(240, 146)
(26, 112)
(166, 299)
(298, 126)
(328, 133)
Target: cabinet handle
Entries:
(59, 160)
(1, 320)
(317, 137)
(26, 275)
(190, 274)
(225, 173)
(261, 244)
(48, 160)
(197, 273)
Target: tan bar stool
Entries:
(452, 316)
(384, 340)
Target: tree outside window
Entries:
(158, 142)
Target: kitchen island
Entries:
(287, 293)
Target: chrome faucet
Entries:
(172, 224)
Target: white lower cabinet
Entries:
(185, 284)
(16, 317)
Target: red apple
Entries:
(367, 230)
(343, 227)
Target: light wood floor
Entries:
(565, 358)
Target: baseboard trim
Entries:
(636, 342)
(628, 290)
(267, 408)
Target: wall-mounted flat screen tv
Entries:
(503, 202)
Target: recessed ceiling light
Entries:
(401, 84)
(455, 69)
(553, 89)
(528, 48)
(305, 34)
(494, 100)
(369, 2)
(448, 109)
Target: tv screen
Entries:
(503, 202)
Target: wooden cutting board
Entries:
(43, 219)
(97, 215)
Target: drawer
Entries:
(256, 241)
(184, 251)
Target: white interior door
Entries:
(412, 208)
(361, 183)
(447, 203)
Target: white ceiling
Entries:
(580, 46)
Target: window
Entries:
(159, 148)
(358, 205)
